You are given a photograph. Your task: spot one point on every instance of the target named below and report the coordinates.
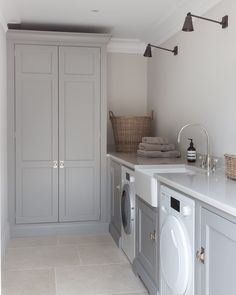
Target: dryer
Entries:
(177, 230)
(128, 213)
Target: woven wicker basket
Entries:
(128, 131)
(230, 166)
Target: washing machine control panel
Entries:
(176, 204)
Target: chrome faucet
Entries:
(207, 163)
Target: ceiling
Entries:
(133, 19)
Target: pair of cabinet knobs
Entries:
(55, 164)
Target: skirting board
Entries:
(141, 273)
(29, 230)
(115, 234)
(5, 237)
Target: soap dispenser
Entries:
(191, 152)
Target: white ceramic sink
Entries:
(146, 185)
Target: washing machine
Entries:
(128, 213)
(177, 230)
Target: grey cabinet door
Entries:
(146, 245)
(36, 99)
(79, 133)
(115, 171)
(218, 237)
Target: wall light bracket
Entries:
(188, 24)
(148, 51)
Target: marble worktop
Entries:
(215, 190)
(131, 160)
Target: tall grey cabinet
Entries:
(58, 123)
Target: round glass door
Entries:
(126, 209)
(175, 255)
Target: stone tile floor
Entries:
(68, 265)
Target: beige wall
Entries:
(198, 85)
(3, 141)
(127, 86)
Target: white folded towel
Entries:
(156, 147)
(155, 140)
(158, 154)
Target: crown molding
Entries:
(161, 32)
(3, 22)
(133, 46)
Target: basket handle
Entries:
(111, 114)
(152, 115)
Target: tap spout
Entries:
(208, 158)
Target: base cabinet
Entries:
(146, 263)
(218, 240)
(115, 194)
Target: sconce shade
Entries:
(148, 51)
(188, 24)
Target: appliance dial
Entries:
(132, 179)
(186, 210)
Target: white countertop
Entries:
(215, 190)
(131, 160)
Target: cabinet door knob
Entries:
(118, 187)
(54, 165)
(152, 236)
(62, 164)
(200, 255)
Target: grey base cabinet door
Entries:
(218, 273)
(36, 101)
(115, 193)
(147, 239)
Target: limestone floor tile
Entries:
(33, 242)
(85, 239)
(40, 257)
(97, 279)
(101, 254)
(30, 282)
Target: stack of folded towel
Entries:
(157, 147)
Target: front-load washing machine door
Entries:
(126, 209)
(175, 255)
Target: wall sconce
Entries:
(188, 24)
(148, 51)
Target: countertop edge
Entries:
(121, 161)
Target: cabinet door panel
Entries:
(78, 182)
(79, 120)
(36, 192)
(37, 138)
(79, 137)
(36, 96)
(219, 240)
(146, 248)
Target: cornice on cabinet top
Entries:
(118, 45)
(114, 45)
(3, 22)
(50, 36)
